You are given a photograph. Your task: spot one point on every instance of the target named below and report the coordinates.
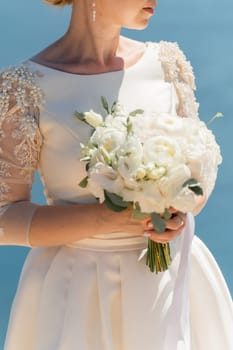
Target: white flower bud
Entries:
(92, 118)
(140, 174)
(156, 173)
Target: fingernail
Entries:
(177, 220)
(146, 234)
(150, 225)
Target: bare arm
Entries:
(56, 225)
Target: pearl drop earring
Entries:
(93, 11)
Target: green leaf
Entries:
(112, 205)
(105, 104)
(190, 182)
(197, 190)
(158, 223)
(117, 200)
(194, 186)
(137, 214)
(80, 116)
(87, 166)
(84, 182)
(135, 112)
(113, 108)
(167, 215)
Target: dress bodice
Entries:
(141, 86)
(39, 130)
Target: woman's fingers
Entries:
(176, 222)
(173, 229)
(164, 237)
(172, 210)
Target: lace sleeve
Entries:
(20, 143)
(179, 71)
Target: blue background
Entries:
(204, 30)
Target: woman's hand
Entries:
(123, 221)
(174, 227)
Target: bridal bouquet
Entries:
(150, 161)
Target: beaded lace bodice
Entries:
(36, 107)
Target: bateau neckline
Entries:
(122, 71)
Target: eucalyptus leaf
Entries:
(194, 186)
(105, 104)
(84, 182)
(197, 190)
(135, 112)
(190, 182)
(87, 166)
(158, 223)
(80, 116)
(137, 214)
(113, 108)
(111, 205)
(167, 215)
(117, 200)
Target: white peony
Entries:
(163, 151)
(168, 124)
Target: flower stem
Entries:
(158, 257)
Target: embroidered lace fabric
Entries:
(179, 72)
(20, 143)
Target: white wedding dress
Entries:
(94, 294)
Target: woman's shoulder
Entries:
(175, 63)
(19, 91)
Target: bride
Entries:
(82, 286)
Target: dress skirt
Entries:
(97, 295)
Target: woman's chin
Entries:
(138, 26)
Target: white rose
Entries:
(184, 201)
(106, 178)
(171, 187)
(109, 138)
(92, 118)
(148, 196)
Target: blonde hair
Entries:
(59, 2)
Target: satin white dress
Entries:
(94, 294)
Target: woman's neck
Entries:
(89, 46)
(90, 42)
